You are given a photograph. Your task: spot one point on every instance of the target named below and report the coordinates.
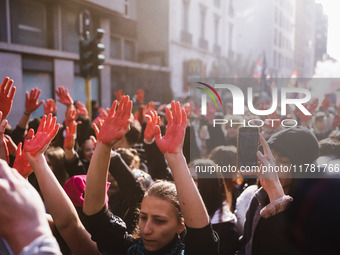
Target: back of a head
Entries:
(56, 162)
(224, 155)
(210, 186)
(130, 157)
(297, 143)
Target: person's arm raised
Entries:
(114, 128)
(58, 203)
(192, 206)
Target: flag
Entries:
(258, 70)
(293, 80)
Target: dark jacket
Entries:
(262, 236)
(109, 232)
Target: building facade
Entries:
(39, 43)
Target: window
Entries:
(115, 48)
(129, 50)
(203, 12)
(3, 21)
(186, 37)
(185, 16)
(69, 32)
(29, 24)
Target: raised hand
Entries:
(119, 95)
(153, 121)
(94, 140)
(47, 130)
(96, 127)
(64, 96)
(71, 115)
(102, 116)
(12, 147)
(82, 109)
(32, 101)
(7, 93)
(49, 106)
(140, 96)
(172, 142)
(269, 181)
(71, 135)
(21, 163)
(117, 123)
(326, 103)
(311, 108)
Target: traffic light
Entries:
(91, 59)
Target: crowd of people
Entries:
(123, 180)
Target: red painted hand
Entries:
(32, 100)
(71, 115)
(140, 96)
(46, 132)
(71, 135)
(326, 103)
(102, 116)
(119, 95)
(21, 163)
(12, 147)
(153, 121)
(82, 109)
(7, 93)
(64, 96)
(94, 140)
(187, 109)
(172, 142)
(117, 123)
(49, 106)
(311, 108)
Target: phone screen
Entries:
(247, 146)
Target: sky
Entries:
(332, 10)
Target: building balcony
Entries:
(203, 43)
(186, 37)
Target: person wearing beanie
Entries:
(265, 226)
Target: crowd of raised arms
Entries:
(124, 180)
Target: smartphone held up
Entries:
(247, 147)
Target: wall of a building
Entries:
(54, 60)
